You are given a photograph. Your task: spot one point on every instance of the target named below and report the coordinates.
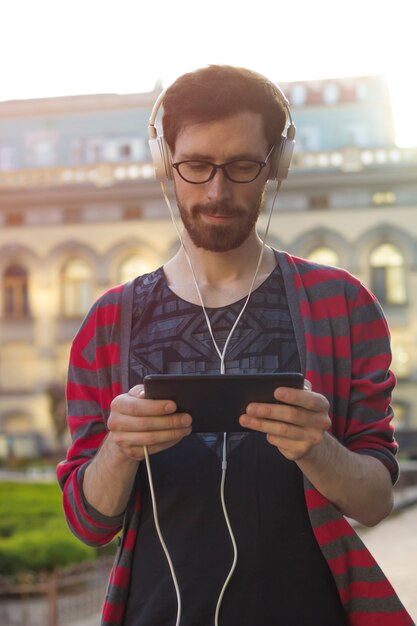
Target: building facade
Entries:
(80, 211)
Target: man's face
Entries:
(220, 215)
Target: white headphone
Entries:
(161, 155)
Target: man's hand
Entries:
(136, 422)
(357, 484)
(294, 427)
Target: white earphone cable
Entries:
(229, 527)
(161, 539)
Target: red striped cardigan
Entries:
(343, 342)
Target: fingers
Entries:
(292, 440)
(284, 429)
(149, 423)
(132, 443)
(137, 391)
(135, 422)
(134, 403)
(299, 407)
(294, 426)
(303, 398)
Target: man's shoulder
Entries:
(112, 297)
(111, 300)
(326, 283)
(105, 311)
(313, 273)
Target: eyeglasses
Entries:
(198, 172)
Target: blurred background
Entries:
(80, 211)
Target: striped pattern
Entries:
(343, 342)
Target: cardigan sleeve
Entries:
(369, 427)
(344, 345)
(93, 381)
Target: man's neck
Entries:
(223, 277)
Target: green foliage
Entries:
(39, 551)
(34, 535)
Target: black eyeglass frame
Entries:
(223, 166)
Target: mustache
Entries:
(217, 208)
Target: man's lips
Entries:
(216, 218)
(218, 212)
(221, 216)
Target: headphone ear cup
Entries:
(161, 158)
(281, 159)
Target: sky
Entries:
(55, 47)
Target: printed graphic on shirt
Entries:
(170, 336)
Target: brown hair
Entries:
(217, 92)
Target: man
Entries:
(326, 452)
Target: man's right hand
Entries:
(135, 422)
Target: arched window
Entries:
(77, 290)
(401, 361)
(401, 415)
(388, 275)
(134, 265)
(15, 292)
(324, 256)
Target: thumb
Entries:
(137, 391)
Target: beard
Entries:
(219, 237)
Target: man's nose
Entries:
(219, 187)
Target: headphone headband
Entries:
(161, 155)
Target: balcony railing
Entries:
(354, 159)
(98, 174)
(108, 174)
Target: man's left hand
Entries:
(294, 427)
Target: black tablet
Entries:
(215, 402)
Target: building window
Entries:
(309, 139)
(316, 203)
(324, 256)
(77, 290)
(132, 213)
(401, 354)
(41, 148)
(7, 158)
(357, 135)
(401, 415)
(298, 94)
(383, 198)
(362, 90)
(86, 150)
(331, 93)
(388, 274)
(15, 292)
(133, 266)
(14, 218)
(93, 150)
(125, 152)
(401, 361)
